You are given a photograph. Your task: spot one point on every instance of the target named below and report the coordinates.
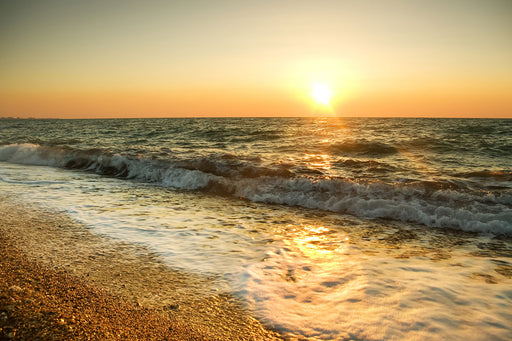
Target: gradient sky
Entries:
(105, 58)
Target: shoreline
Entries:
(60, 280)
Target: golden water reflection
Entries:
(312, 282)
(315, 242)
(321, 162)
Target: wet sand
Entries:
(58, 280)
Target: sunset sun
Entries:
(321, 93)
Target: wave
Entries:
(409, 203)
(502, 175)
(430, 143)
(366, 148)
(375, 166)
(226, 166)
(417, 202)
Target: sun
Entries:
(321, 93)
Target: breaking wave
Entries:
(427, 203)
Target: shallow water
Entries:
(305, 272)
(362, 229)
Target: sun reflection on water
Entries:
(314, 243)
(310, 280)
(322, 162)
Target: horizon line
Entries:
(255, 116)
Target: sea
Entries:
(324, 228)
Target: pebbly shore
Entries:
(60, 281)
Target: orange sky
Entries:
(106, 58)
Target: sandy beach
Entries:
(61, 281)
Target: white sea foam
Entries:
(385, 201)
(28, 154)
(345, 294)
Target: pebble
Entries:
(15, 288)
(172, 307)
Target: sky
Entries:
(88, 59)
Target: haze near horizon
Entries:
(73, 59)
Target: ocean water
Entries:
(325, 228)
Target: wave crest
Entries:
(366, 148)
(417, 202)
